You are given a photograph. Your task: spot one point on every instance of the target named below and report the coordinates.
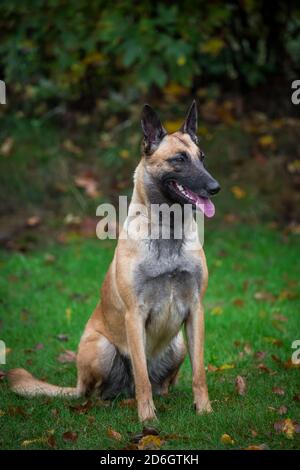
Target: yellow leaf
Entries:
(213, 46)
(226, 367)
(150, 443)
(217, 310)
(238, 192)
(288, 428)
(226, 439)
(28, 442)
(181, 60)
(68, 314)
(266, 141)
(124, 153)
(94, 58)
(2, 413)
(174, 89)
(173, 126)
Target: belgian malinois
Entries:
(133, 343)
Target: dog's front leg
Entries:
(195, 336)
(136, 342)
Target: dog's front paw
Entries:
(203, 407)
(146, 411)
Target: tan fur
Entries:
(117, 320)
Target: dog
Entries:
(133, 342)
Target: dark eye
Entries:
(202, 155)
(180, 158)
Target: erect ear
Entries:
(190, 124)
(153, 130)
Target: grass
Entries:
(43, 296)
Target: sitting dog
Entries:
(133, 343)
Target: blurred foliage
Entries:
(58, 50)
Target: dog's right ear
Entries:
(153, 130)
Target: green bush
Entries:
(55, 49)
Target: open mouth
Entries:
(202, 203)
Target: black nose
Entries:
(213, 187)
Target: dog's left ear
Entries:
(153, 129)
(190, 124)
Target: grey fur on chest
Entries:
(167, 276)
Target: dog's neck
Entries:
(145, 194)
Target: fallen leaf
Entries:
(289, 364)
(267, 141)
(239, 302)
(2, 374)
(287, 427)
(238, 192)
(282, 410)
(7, 146)
(226, 439)
(240, 385)
(28, 442)
(88, 182)
(51, 441)
(226, 367)
(257, 447)
(217, 310)
(212, 368)
(260, 355)
(263, 295)
(33, 221)
(254, 433)
(70, 436)
(264, 368)
(278, 391)
(150, 442)
(274, 341)
(67, 356)
(82, 408)
(68, 314)
(114, 434)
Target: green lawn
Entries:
(252, 304)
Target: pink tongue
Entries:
(206, 206)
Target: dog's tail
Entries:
(25, 384)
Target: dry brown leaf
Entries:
(260, 355)
(263, 295)
(88, 182)
(282, 410)
(278, 391)
(257, 447)
(67, 356)
(70, 436)
(33, 221)
(114, 434)
(287, 427)
(240, 385)
(82, 408)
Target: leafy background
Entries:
(77, 75)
